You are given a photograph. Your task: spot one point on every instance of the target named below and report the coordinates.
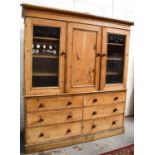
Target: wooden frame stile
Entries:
(28, 55)
(70, 88)
(117, 86)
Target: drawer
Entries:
(104, 98)
(103, 111)
(48, 133)
(52, 103)
(93, 126)
(53, 117)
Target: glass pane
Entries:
(115, 58)
(45, 56)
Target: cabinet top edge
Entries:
(74, 94)
(73, 13)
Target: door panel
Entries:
(44, 64)
(114, 59)
(84, 42)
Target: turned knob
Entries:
(103, 55)
(68, 131)
(93, 126)
(41, 135)
(41, 120)
(115, 110)
(113, 122)
(40, 105)
(69, 116)
(69, 103)
(94, 100)
(94, 113)
(62, 53)
(116, 98)
(98, 54)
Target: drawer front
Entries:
(53, 117)
(104, 98)
(103, 110)
(39, 104)
(92, 126)
(47, 133)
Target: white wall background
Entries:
(121, 9)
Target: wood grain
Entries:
(48, 133)
(53, 103)
(72, 140)
(54, 117)
(93, 126)
(103, 111)
(82, 62)
(104, 98)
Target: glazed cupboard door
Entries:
(114, 59)
(83, 57)
(44, 56)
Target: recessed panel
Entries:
(83, 57)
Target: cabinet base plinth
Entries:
(72, 141)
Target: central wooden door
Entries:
(83, 57)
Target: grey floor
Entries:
(98, 146)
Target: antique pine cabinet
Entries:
(75, 70)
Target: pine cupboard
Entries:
(75, 72)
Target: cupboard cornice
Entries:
(73, 16)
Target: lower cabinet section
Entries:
(72, 140)
(59, 121)
(48, 133)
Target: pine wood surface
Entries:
(54, 117)
(73, 140)
(53, 103)
(82, 107)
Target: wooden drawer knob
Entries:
(94, 113)
(41, 135)
(62, 53)
(115, 98)
(41, 120)
(98, 54)
(69, 103)
(94, 100)
(93, 126)
(113, 122)
(68, 131)
(69, 116)
(103, 55)
(115, 110)
(40, 105)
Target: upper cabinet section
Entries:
(73, 52)
(115, 56)
(83, 61)
(44, 64)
